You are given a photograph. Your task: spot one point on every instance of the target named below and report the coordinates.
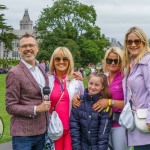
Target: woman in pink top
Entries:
(61, 81)
(113, 66)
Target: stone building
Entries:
(26, 25)
(114, 43)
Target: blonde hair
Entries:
(119, 52)
(105, 92)
(65, 52)
(127, 58)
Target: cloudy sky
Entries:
(114, 17)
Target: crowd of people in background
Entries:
(45, 65)
(3, 71)
(89, 117)
(90, 69)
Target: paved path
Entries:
(6, 146)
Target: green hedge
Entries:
(7, 63)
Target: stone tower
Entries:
(26, 23)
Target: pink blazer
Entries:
(22, 94)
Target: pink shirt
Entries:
(62, 107)
(116, 91)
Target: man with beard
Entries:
(24, 100)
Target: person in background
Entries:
(82, 71)
(93, 68)
(90, 129)
(24, 101)
(89, 69)
(47, 67)
(62, 81)
(75, 69)
(113, 67)
(137, 81)
(42, 64)
(101, 70)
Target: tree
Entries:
(5, 31)
(72, 24)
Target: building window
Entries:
(15, 54)
(15, 44)
(5, 54)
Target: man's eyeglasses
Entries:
(136, 42)
(27, 45)
(110, 61)
(58, 59)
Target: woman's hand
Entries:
(148, 125)
(76, 101)
(101, 104)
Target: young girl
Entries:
(90, 129)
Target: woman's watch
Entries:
(112, 102)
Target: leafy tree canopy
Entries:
(72, 24)
(5, 31)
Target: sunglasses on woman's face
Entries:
(58, 59)
(110, 61)
(136, 42)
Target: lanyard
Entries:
(62, 83)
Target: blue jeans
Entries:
(28, 142)
(117, 139)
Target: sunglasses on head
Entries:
(58, 59)
(136, 42)
(110, 61)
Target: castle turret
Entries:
(26, 23)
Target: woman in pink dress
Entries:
(61, 81)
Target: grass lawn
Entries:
(3, 114)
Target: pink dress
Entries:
(62, 107)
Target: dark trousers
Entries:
(142, 147)
(28, 142)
